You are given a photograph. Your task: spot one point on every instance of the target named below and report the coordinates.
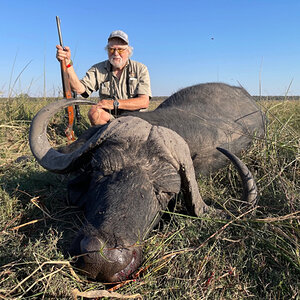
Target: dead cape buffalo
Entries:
(131, 168)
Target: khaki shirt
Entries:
(135, 77)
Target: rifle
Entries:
(67, 91)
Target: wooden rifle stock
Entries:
(66, 89)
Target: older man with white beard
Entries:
(123, 84)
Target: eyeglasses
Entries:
(119, 50)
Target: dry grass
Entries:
(184, 258)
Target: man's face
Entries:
(118, 53)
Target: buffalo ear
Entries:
(176, 151)
(189, 186)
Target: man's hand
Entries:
(63, 54)
(106, 104)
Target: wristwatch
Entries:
(116, 104)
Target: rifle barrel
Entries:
(59, 31)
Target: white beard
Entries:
(119, 64)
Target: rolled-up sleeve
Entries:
(90, 81)
(144, 87)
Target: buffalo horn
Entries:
(249, 185)
(46, 156)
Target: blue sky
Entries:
(182, 42)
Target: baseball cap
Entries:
(119, 34)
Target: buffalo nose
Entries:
(108, 264)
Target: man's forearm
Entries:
(140, 102)
(75, 83)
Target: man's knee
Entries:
(98, 116)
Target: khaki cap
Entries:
(119, 34)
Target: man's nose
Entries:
(116, 52)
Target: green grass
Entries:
(248, 257)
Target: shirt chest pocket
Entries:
(105, 89)
(133, 85)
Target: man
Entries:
(123, 84)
